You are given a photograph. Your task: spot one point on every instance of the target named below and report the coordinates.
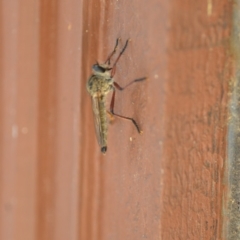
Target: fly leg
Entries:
(113, 52)
(134, 81)
(120, 116)
(113, 100)
(120, 54)
(111, 117)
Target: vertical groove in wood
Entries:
(47, 118)
(90, 159)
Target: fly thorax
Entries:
(106, 85)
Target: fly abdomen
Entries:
(103, 117)
(100, 118)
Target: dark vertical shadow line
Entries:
(1, 83)
(47, 118)
(1, 99)
(232, 173)
(86, 154)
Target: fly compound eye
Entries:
(99, 68)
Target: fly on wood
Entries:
(99, 85)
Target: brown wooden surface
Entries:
(165, 184)
(196, 115)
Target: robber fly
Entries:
(99, 85)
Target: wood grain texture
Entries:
(199, 69)
(168, 183)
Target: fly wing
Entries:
(100, 119)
